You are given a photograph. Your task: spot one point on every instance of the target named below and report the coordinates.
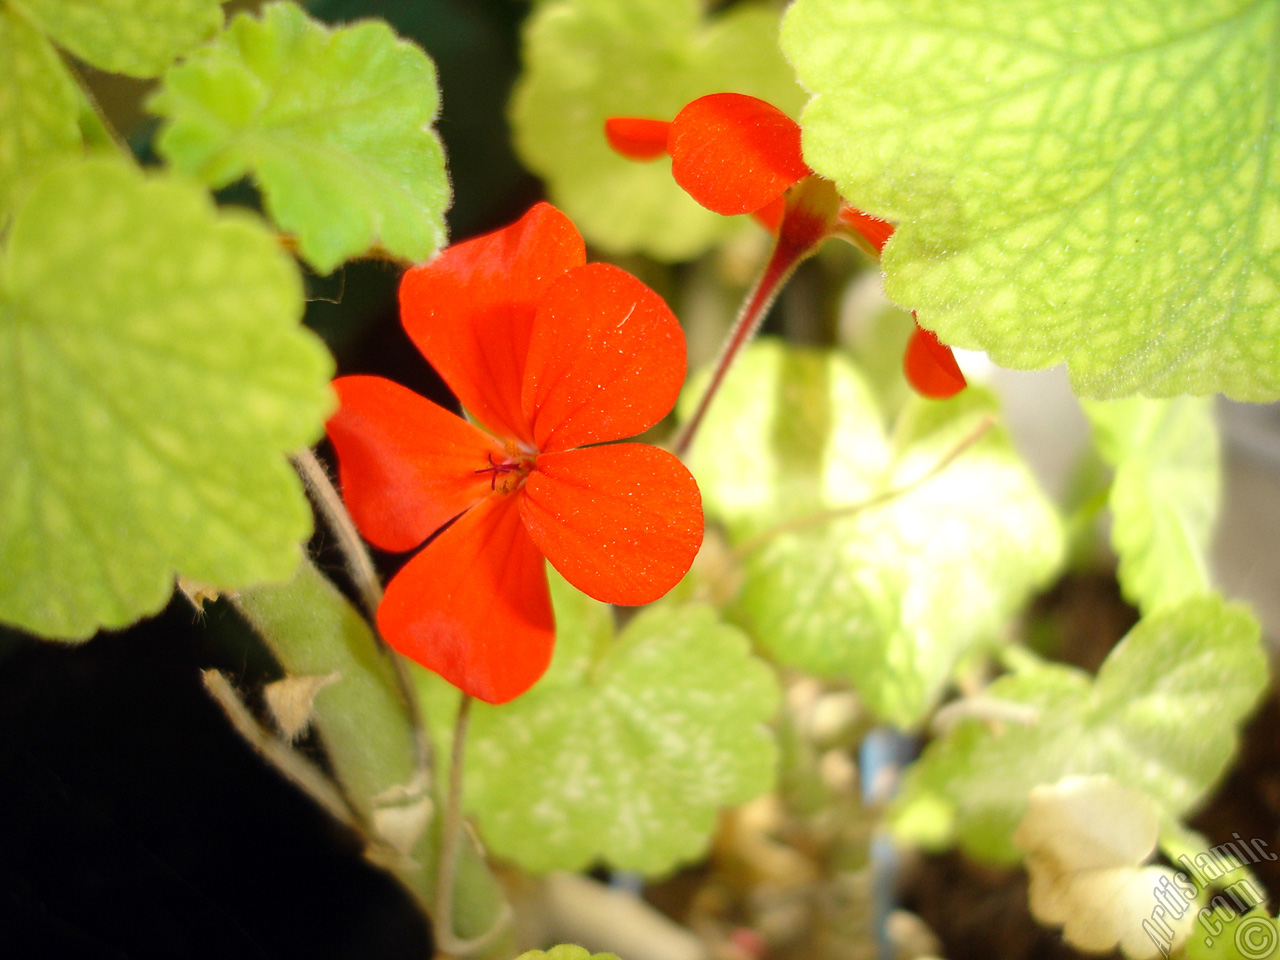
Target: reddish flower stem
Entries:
(810, 215)
(782, 263)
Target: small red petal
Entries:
(733, 153)
(474, 606)
(621, 522)
(606, 360)
(637, 138)
(876, 231)
(931, 367)
(471, 309)
(407, 466)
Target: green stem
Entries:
(450, 841)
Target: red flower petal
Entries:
(622, 522)
(606, 360)
(733, 153)
(876, 231)
(931, 367)
(471, 309)
(407, 466)
(637, 138)
(474, 606)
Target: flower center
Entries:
(508, 474)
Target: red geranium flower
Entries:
(555, 357)
(737, 154)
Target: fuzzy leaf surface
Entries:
(627, 748)
(1160, 717)
(155, 376)
(334, 125)
(1095, 182)
(588, 60)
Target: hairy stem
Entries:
(365, 577)
(450, 839)
(810, 214)
(781, 264)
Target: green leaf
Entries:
(137, 37)
(1161, 717)
(792, 431)
(1221, 935)
(1165, 494)
(38, 103)
(588, 60)
(154, 376)
(627, 748)
(566, 951)
(1095, 182)
(890, 594)
(334, 126)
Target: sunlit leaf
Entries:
(334, 125)
(137, 37)
(155, 376)
(1161, 717)
(1095, 182)
(948, 534)
(588, 60)
(37, 103)
(1164, 496)
(627, 748)
(791, 431)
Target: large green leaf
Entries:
(1160, 717)
(588, 60)
(334, 125)
(627, 748)
(137, 37)
(1096, 182)
(887, 597)
(1164, 496)
(38, 104)
(154, 376)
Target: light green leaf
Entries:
(1094, 182)
(1161, 717)
(38, 104)
(566, 952)
(588, 60)
(1223, 936)
(627, 748)
(137, 37)
(334, 126)
(792, 431)
(1164, 496)
(154, 376)
(891, 595)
